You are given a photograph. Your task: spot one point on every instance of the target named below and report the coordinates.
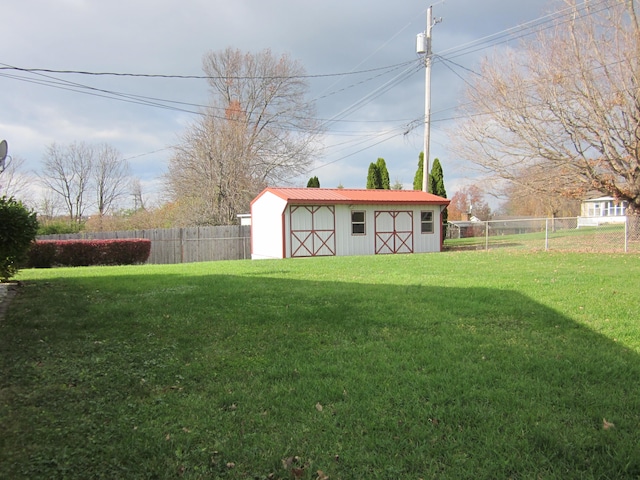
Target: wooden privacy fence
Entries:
(182, 245)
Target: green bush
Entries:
(81, 253)
(18, 228)
(59, 227)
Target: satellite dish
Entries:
(3, 154)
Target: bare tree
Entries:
(136, 192)
(566, 104)
(525, 195)
(110, 177)
(210, 176)
(48, 205)
(258, 130)
(14, 182)
(67, 172)
(78, 171)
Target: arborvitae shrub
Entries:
(18, 228)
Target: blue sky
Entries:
(375, 114)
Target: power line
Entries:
(193, 77)
(53, 82)
(404, 75)
(529, 28)
(535, 26)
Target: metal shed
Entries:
(311, 222)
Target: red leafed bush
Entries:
(77, 253)
(41, 254)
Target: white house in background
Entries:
(310, 222)
(601, 210)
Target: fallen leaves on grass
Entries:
(322, 475)
(288, 462)
(607, 425)
(319, 406)
(295, 466)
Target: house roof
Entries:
(599, 199)
(353, 196)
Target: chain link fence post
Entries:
(546, 235)
(486, 236)
(626, 234)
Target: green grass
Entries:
(601, 239)
(455, 365)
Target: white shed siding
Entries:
(289, 223)
(427, 242)
(267, 227)
(346, 242)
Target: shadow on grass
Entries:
(225, 376)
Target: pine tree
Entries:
(374, 180)
(436, 186)
(436, 180)
(384, 174)
(313, 183)
(417, 180)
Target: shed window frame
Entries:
(427, 226)
(358, 224)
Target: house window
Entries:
(426, 221)
(357, 223)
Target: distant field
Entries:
(478, 365)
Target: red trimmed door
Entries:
(394, 231)
(313, 230)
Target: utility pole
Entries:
(424, 47)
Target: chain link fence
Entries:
(576, 234)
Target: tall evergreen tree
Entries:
(374, 180)
(313, 183)
(436, 180)
(384, 174)
(436, 186)
(417, 180)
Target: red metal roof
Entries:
(360, 196)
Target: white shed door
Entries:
(394, 231)
(313, 230)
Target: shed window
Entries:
(426, 221)
(357, 223)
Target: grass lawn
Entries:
(601, 239)
(479, 365)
